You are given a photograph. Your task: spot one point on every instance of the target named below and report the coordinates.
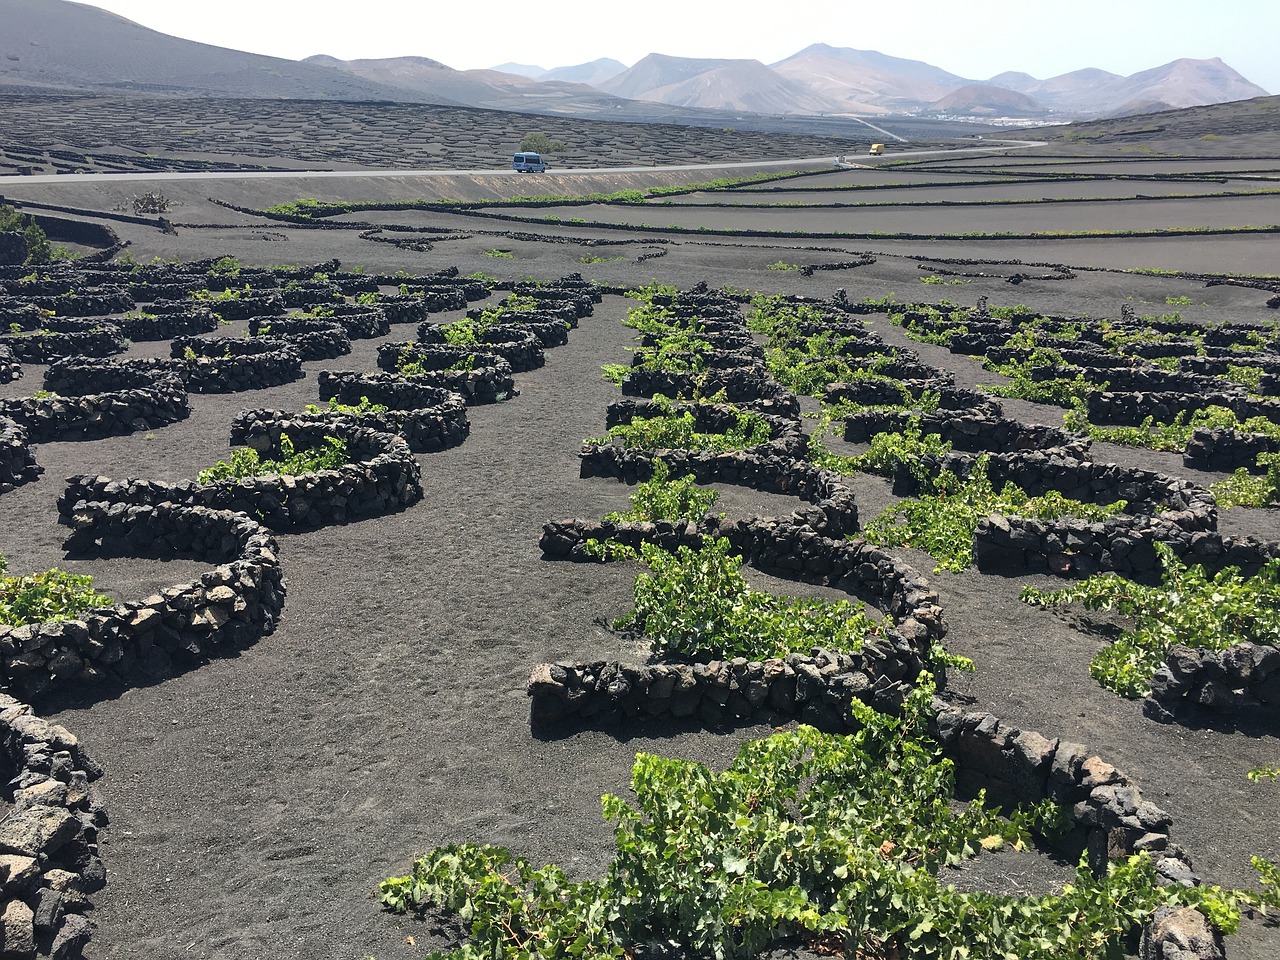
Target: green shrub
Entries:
(246, 462)
(1187, 607)
(942, 521)
(361, 409)
(51, 595)
(833, 840)
(678, 431)
(661, 498)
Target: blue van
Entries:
(528, 163)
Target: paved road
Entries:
(989, 146)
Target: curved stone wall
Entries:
(313, 339)
(973, 434)
(431, 418)
(520, 348)
(488, 379)
(49, 836)
(165, 320)
(383, 477)
(229, 607)
(1242, 682)
(129, 401)
(17, 462)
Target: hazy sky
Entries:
(973, 38)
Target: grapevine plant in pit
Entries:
(1187, 606)
(672, 430)
(695, 604)
(941, 521)
(51, 595)
(661, 498)
(246, 462)
(835, 840)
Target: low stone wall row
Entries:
(1242, 681)
(785, 433)
(278, 364)
(246, 305)
(17, 462)
(973, 434)
(518, 347)
(359, 321)
(427, 429)
(166, 320)
(91, 302)
(1159, 498)
(872, 392)
(1132, 408)
(49, 836)
(431, 418)
(796, 547)
(771, 471)
(104, 340)
(313, 339)
(1221, 448)
(230, 607)
(1109, 816)
(132, 401)
(747, 386)
(382, 478)
(10, 367)
(816, 689)
(487, 379)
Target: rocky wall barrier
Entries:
(1242, 681)
(786, 435)
(13, 310)
(245, 306)
(429, 418)
(310, 293)
(150, 291)
(973, 434)
(359, 321)
(229, 364)
(479, 377)
(49, 836)
(1221, 448)
(835, 511)
(231, 606)
(1132, 408)
(91, 302)
(17, 462)
(436, 298)
(1158, 507)
(403, 308)
(13, 247)
(166, 319)
(313, 339)
(1108, 815)
(382, 477)
(46, 347)
(518, 347)
(10, 368)
(881, 392)
(747, 386)
(133, 401)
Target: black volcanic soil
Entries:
(256, 801)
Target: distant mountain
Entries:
(716, 84)
(1094, 93)
(865, 81)
(59, 45)
(521, 70)
(987, 100)
(594, 73)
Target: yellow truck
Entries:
(877, 150)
